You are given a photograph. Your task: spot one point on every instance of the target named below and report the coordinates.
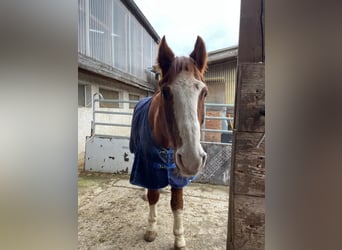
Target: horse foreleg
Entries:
(151, 232)
(177, 209)
(144, 196)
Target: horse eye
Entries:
(166, 92)
(205, 94)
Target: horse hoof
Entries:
(150, 236)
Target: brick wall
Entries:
(213, 124)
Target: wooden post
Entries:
(246, 219)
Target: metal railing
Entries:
(224, 108)
(95, 111)
(100, 99)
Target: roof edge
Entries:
(104, 70)
(131, 5)
(225, 54)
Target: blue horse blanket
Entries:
(153, 166)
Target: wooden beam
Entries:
(249, 169)
(251, 36)
(246, 214)
(250, 98)
(249, 223)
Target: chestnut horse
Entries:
(165, 135)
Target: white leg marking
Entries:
(152, 218)
(144, 196)
(178, 229)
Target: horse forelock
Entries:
(178, 65)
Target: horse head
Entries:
(181, 96)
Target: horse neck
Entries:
(157, 120)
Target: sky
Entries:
(216, 21)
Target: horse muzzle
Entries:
(189, 163)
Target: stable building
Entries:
(117, 47)
(221, 75)
(221, 80)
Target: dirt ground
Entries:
(113, 215)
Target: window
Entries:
(136, 48)
(147, 57)
(84, 95)
(81, 96)
(133, 97)
(110, 33)
(82, 19)
(100, 30)
(109, 94)
(120, 36)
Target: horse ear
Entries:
(199, 54)
(165, 56)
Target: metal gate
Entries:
(108, 150)
(218, 163)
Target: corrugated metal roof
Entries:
(221, 55)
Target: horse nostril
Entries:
(179, 159)
(192, 165)
(203, 158)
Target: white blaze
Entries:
(186, 90)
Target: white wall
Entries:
(84, 126)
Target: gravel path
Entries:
(113, 215)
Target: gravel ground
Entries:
(113, 215)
